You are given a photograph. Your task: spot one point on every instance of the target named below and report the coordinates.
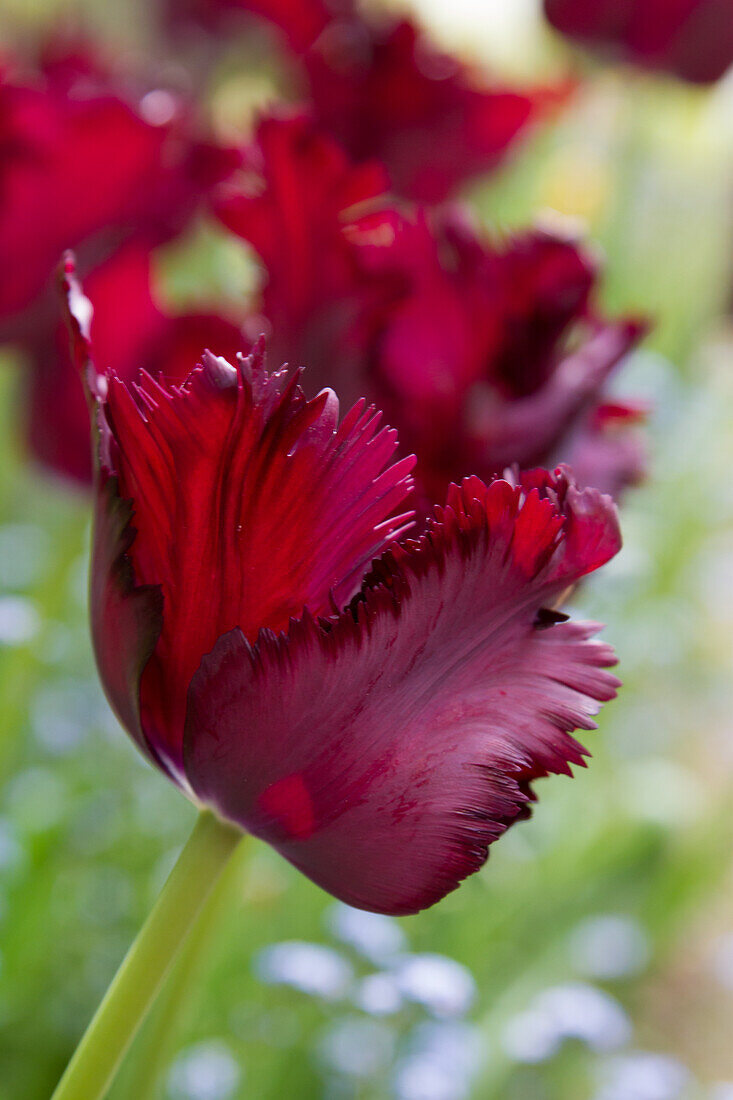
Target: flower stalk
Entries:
(143, 971)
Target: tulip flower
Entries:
(482, 353)
(374, 706)
(378, 724)
(383, 90)
(295, 193)
(486, 354)
(692, 39)
(84, 165)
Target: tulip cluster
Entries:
(382, 89)
(343, 638)
(267, 631)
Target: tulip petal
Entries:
(126, 619)
(381, 753)
(251, 503)
(301, 189)
(691, 38)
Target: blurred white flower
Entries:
(644, 1076)
(206, 1071)
(441, 1063)
(20, 620)
(309, 967)
(441, 985)
(572, 1011)
(608, 946)
(378, 994)
(374, 935)
(357, 1047)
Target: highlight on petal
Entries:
(382, 751)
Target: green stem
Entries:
(136, 984)
(153, 1049)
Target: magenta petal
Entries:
(383, 752)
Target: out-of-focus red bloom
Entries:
(691, 38)
(300, 22)
(297, 191)
(380, 727)
(384, 91)
(83, 166)
(486, 356)
(131, 333)
(483, 355)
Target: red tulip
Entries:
(691, 38)
(131, 333)
(82, 166)
(489, 355)
(379, 726)
(482, 354)
(298, 191)
(384, 91)
(300, 22)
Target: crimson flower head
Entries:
(83, 164)
(379, 724)
(693, 39)
(482, 353)
(382, 89)
(296, 191)
(130, 332)
(487, 354)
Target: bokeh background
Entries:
(592, 959)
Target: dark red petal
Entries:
(301, 21)
(250, 505)
(112, 172)
(691, 38)
(382, 753)
(529, 429)
(543, 283)
(291, 206)
(126, 619)
(383, 90)
(609, 451)
(483, 354)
